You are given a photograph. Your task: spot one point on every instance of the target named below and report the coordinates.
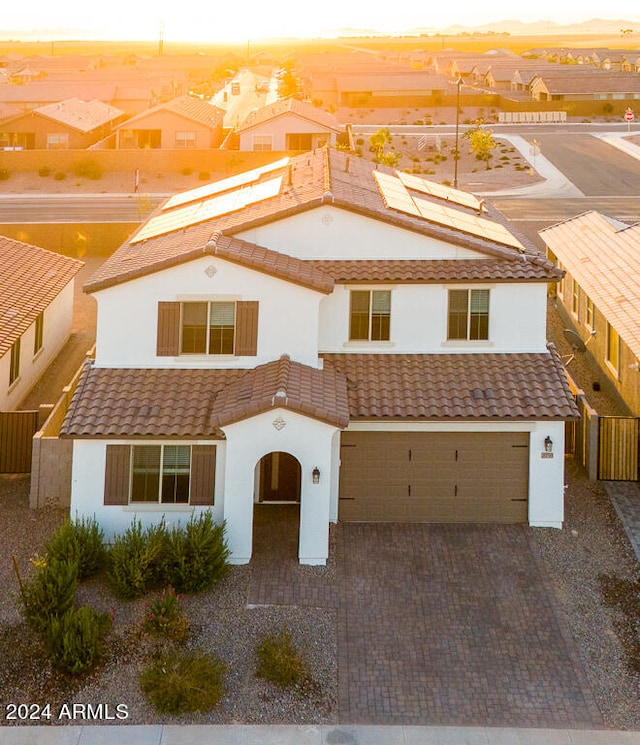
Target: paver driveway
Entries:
(444, 624)
(437, 624)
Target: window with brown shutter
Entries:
(116, 474)
(203, 474)
(247, 328)
(168, 342)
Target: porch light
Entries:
(315, 475)
(548, 444)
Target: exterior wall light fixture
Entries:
(315, 475)
(548, 444)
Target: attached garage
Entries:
(439, 477)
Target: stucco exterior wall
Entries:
(58, 317)
(169, 123)
(283, 125)
(128, 315)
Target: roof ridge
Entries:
(326, 170)
(282, 377)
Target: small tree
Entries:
(289, 84)
(378, 141)
(481, 143)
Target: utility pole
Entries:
(455, 154)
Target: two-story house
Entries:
(363, 342)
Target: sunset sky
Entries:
(198, 20)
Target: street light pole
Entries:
(455, 155)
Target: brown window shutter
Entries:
(168, 330)
(203, 474)
(116, 474)
(247, 328)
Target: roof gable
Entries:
(292, 106)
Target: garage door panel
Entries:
(434, 477)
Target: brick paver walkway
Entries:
(437, 624)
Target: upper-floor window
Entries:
(590, 320)
(185, 139)
(208, 328)
(370, 315)
(14, 365)
(468, 316)
(613, 347)
(39, 333)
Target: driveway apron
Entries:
(449, 624)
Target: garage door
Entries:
(434, 477)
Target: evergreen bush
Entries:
(135, 560)
(196, 556)
(80, 541)
(87, 168)
(279, 661)
(49, 592)
(74, 640)
(44, 171)
(183, 681)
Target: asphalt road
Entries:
(75, 208)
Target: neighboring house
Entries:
(288, 124)
(36, 309)
(358, 340)
(579, 83)
(600, 293)
(186, 122)
(68, 125)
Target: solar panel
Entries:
(216, 187)
(394, 193)
(440, 191)
(192, 214)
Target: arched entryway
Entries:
(278, 478)
(276, 514)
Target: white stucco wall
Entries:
(87, 490)
(279, 127)
(328, 232)
(308, 440)
(58, 318)
(546, 475)
(128, 315)
(517, 320)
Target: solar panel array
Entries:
(216, 187)
(440, 191)
(207, 209)
(396, 196)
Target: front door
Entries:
(279, 478)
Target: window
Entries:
(14, 366)
(208, 328)
(370, 315)
(57, 142)
(590, 320)
(160, 473)
(185, 139)
(299, 141)
(561, 282)
(468, 314)
(262, 143)
(575, 298)
(613, 347)
(39, 333)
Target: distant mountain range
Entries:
(545, 28)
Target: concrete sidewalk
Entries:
(307, 735)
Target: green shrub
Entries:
(4, 174)
(74, 640)
(44, 171)
(88, 168)
(80, 541)
(59, 175)
(49, 593)
(183, 681)
(165, 615)
(279, 661)
(196, 556)
(135, 560)
(187, 171)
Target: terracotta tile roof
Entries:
(196, 403)
(30, 279)
(188, 107)
(324, 176)
(455, 386)
(601, 254)
(586, 80)
(291, 106)
(83, 116)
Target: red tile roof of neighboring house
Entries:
(321, 177)
(188, 107)
(455, 386)
(197, 402)
(30, 279)
(83, 116)
(290, 106)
